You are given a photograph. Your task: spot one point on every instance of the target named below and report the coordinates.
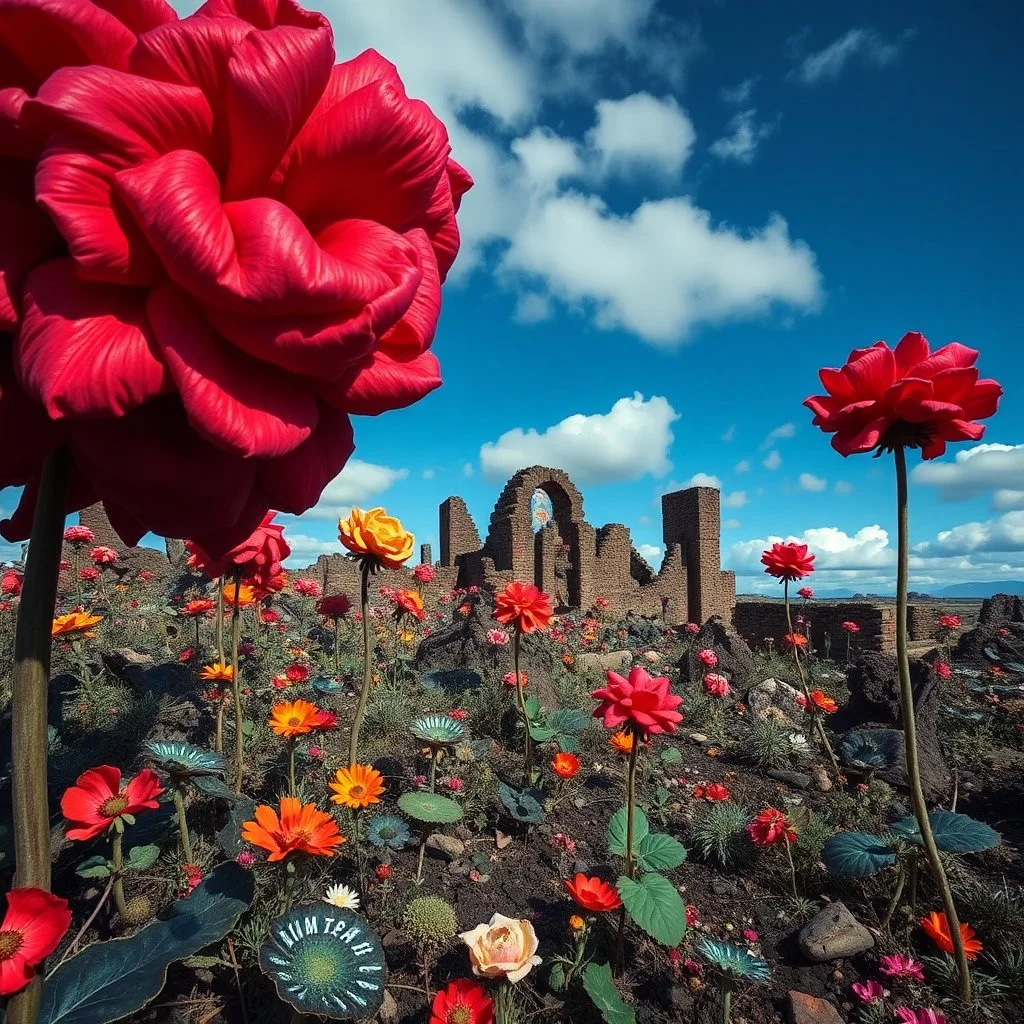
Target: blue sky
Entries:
(680, 214)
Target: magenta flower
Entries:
(899, 965)
(708, 658)
(869, 991)
(907, 1016)
(641, 701)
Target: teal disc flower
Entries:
(733, 962)
(437, 730)
(183, 760)
(387, 832)
(326, 962)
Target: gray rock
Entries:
(807, 1009)
(822, 781)
(698, 737)
(833, 933)
(128, 665)
(448, 846)
(798, 780)
(604, 661)
(777, 699)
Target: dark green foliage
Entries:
(720, 834)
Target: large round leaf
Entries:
(659, 852)
(617, 830)
(954, 833)
(430, 807)
(869, 749)
(654, 904)
(600, 986)
(856, 854)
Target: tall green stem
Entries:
(29, 683)
(218, 736)
(236, 683)
(521, 696)
(118, 860)
(894, 902)
(726, 1004)
(186, 838)
(910, 726)
(792, 866)
(337, 648)
(620, 941)
(291, 766)
(364, 693)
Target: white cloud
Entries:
(467, 469)
(641, 132)
(740, 94)
(743, 466)
(868, 548)
(744, 135)
(581, 25)
(306, 549)
(730, 433)
(357, 484)
(772, 461)
(1004, 533)
(532, 308)
(731, 524)
(651, 553)
(428, 474)
(547, 158)
(985, 468)
(703, 480)
(630, 441)
(809, 482)
(737, 499)
(843, 487)
(662, 269)
(780, 433)
(827, 64)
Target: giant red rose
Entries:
(254, 245)
(908, 396)
(257, 559)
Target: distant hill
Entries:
(981, 589)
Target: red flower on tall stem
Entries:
(788, 561)
(257, 559)
(593, 894)
(770, 827)
(641, 701)
(461, 1002)
(333, 606)
(523, 605)
(97, 799)
(31, 930)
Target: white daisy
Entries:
(342, 896)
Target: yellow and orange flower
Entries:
(299, 828)
(374, 534)
(217, 670)
(409, 602)
(622, 741)
(936, 927)
(246, 595)
(74, 622)
(293, 718)
(357, 786)
(564, 765)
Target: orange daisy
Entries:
(823, 702)
(936, 927)
(564, 765)
(794, 640)
(246, 595)
(357, 786)
(300, 828)
(217, 671)
(74, 622)
(622, 741)
(293, 718)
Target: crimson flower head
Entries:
(11, 583)
(334, 606)
(79, 535)
(424, 572)
(788, 561)
(807, 593)
(233, 242)
(103, 555)
(716, 685)
(950, 621)
(297, 672)
(771, 827)
(851, 627)
(198, 607)
(97, 799)
(639, 701)
(257, 559)
(31, 930)
(593, 894)
(908, 396)
(524, 606)
(795, 641)
(461, 1001)
(307, 588)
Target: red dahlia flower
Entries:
(200, 606)
(233, 244)
(643, 702)
(807, 593)
(851, 627)
(307, 588)
(461, 1001)
(97, 800)
(79, 535)
(258, 558)
(11, 583)
(31, 930)
(908, 396)
(788, 561)
(950, 621)
(523, 605)
(333, 606)
(424, 572)
(593, 894)
(770, 827)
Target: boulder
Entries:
(129, 666)
(807, 1009)
(450, 847)
(604, 661)
(874, 704)
(833, 933)
(735, 660)
(778, 695)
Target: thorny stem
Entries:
(118, 874)
(910, 727)
(186, 838)
(521, 696)
(29, 685)
(364, 693)
(236, 682)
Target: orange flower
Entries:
(622, 741)
(565, 766)
(301, 828)
(523, 605)
(218, 670)
(823, 702)
(198, 606)
(357, 786)
(74, 622)
(246, 595)
(374, 534)
(409, 602)
(795, 640)
(293, 718)
(936, 927)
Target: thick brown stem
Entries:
(910, 727)
(527, 740)
(30, 683)
(236, 684)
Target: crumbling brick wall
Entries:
(923, 622)
(757, 620)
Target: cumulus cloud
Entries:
(743, 466)
(630, 441)
(703, 480)
(582, 25)
(833, 548)
(731, 524)
(641, 132)
(428, 474)
(736, 499)
(532, 308)
(809, 482)
(653, 554)
(986, 468)
(744, 134)
(740, 94)
(780, 433)
(306, 549)
(843, 487)
(864, 44)
(1004, 533)
(547, 158)
(772, 461)
(357, 484)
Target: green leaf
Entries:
(954, 833)
(654, 904)
(141, 858)
(670, 755)
(617, 830)
(109, 980)
(856, 854)
(568, 720)
(598, 984)
(658, 852)
(213, 786)
(534, 711)
(541, 734)
(203, 961)
(525, 805)
(556, 977)
(429, 807)
(230, 836)
(94, 867)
